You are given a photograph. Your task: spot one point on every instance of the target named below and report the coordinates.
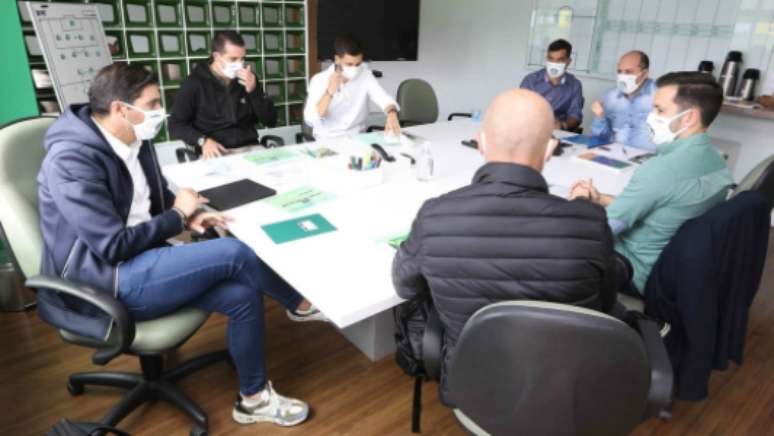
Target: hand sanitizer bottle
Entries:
(425, 164)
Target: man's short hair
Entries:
(347, 45)
(695, 89)
(119, 81)
(644, 59)
(226, 36)
(561, 44)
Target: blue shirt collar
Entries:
(545, 78)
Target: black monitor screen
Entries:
(388, 29)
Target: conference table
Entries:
(346, 273)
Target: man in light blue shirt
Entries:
(620, 115)
(686, 178)
(563, 91)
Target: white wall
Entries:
(471, 50)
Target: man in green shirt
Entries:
(686, 178)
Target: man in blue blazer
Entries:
(106, 214)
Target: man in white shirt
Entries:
(139, 211)
(338, 98)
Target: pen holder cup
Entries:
(367, 178)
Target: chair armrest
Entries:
(302, 137)
(186, 154)
(270, 141)
(104, 302)
(661, 375)
(432, 340)
(460, 115)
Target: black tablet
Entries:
(236, 194)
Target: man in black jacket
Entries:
(221, 102)
(505, 237)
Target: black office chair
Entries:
(190, 153)
(760, 178)
(534, 368)
(305, 135)
(454, 115)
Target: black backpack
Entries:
(418, 347)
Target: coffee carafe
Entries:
(749, 81)
(706, 67)
(730, 73)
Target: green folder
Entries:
(271, 155)
(377, 138)
(299, 199)
(298, 228)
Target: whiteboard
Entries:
(73, 43)
(676, 34)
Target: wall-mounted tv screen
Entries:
(388, 29)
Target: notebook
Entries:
(605, 162)
(236, 194)
(588, 141)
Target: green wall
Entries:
(18, 94)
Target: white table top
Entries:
(347, 273)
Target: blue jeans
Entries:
(221, 275)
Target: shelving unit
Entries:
(171, 37)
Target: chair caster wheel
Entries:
(74, 389)
(198, 431)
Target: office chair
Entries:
(530, 367)
(418, 105)
(305, 135)
(21, 154)
(760, 178)
(704, 283)
(190, 153)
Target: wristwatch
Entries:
(200, 142)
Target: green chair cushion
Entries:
(152, 336)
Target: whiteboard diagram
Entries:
(73, 44)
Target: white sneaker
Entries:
(311, 314)
(273, 407)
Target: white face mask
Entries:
(660, 132)
(555, 69)
(150, 125)
(482, 143)
(230, 68)
(351, 72)
(627, 83)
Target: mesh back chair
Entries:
(21, 154)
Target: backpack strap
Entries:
(432, 341)
(416, 408)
